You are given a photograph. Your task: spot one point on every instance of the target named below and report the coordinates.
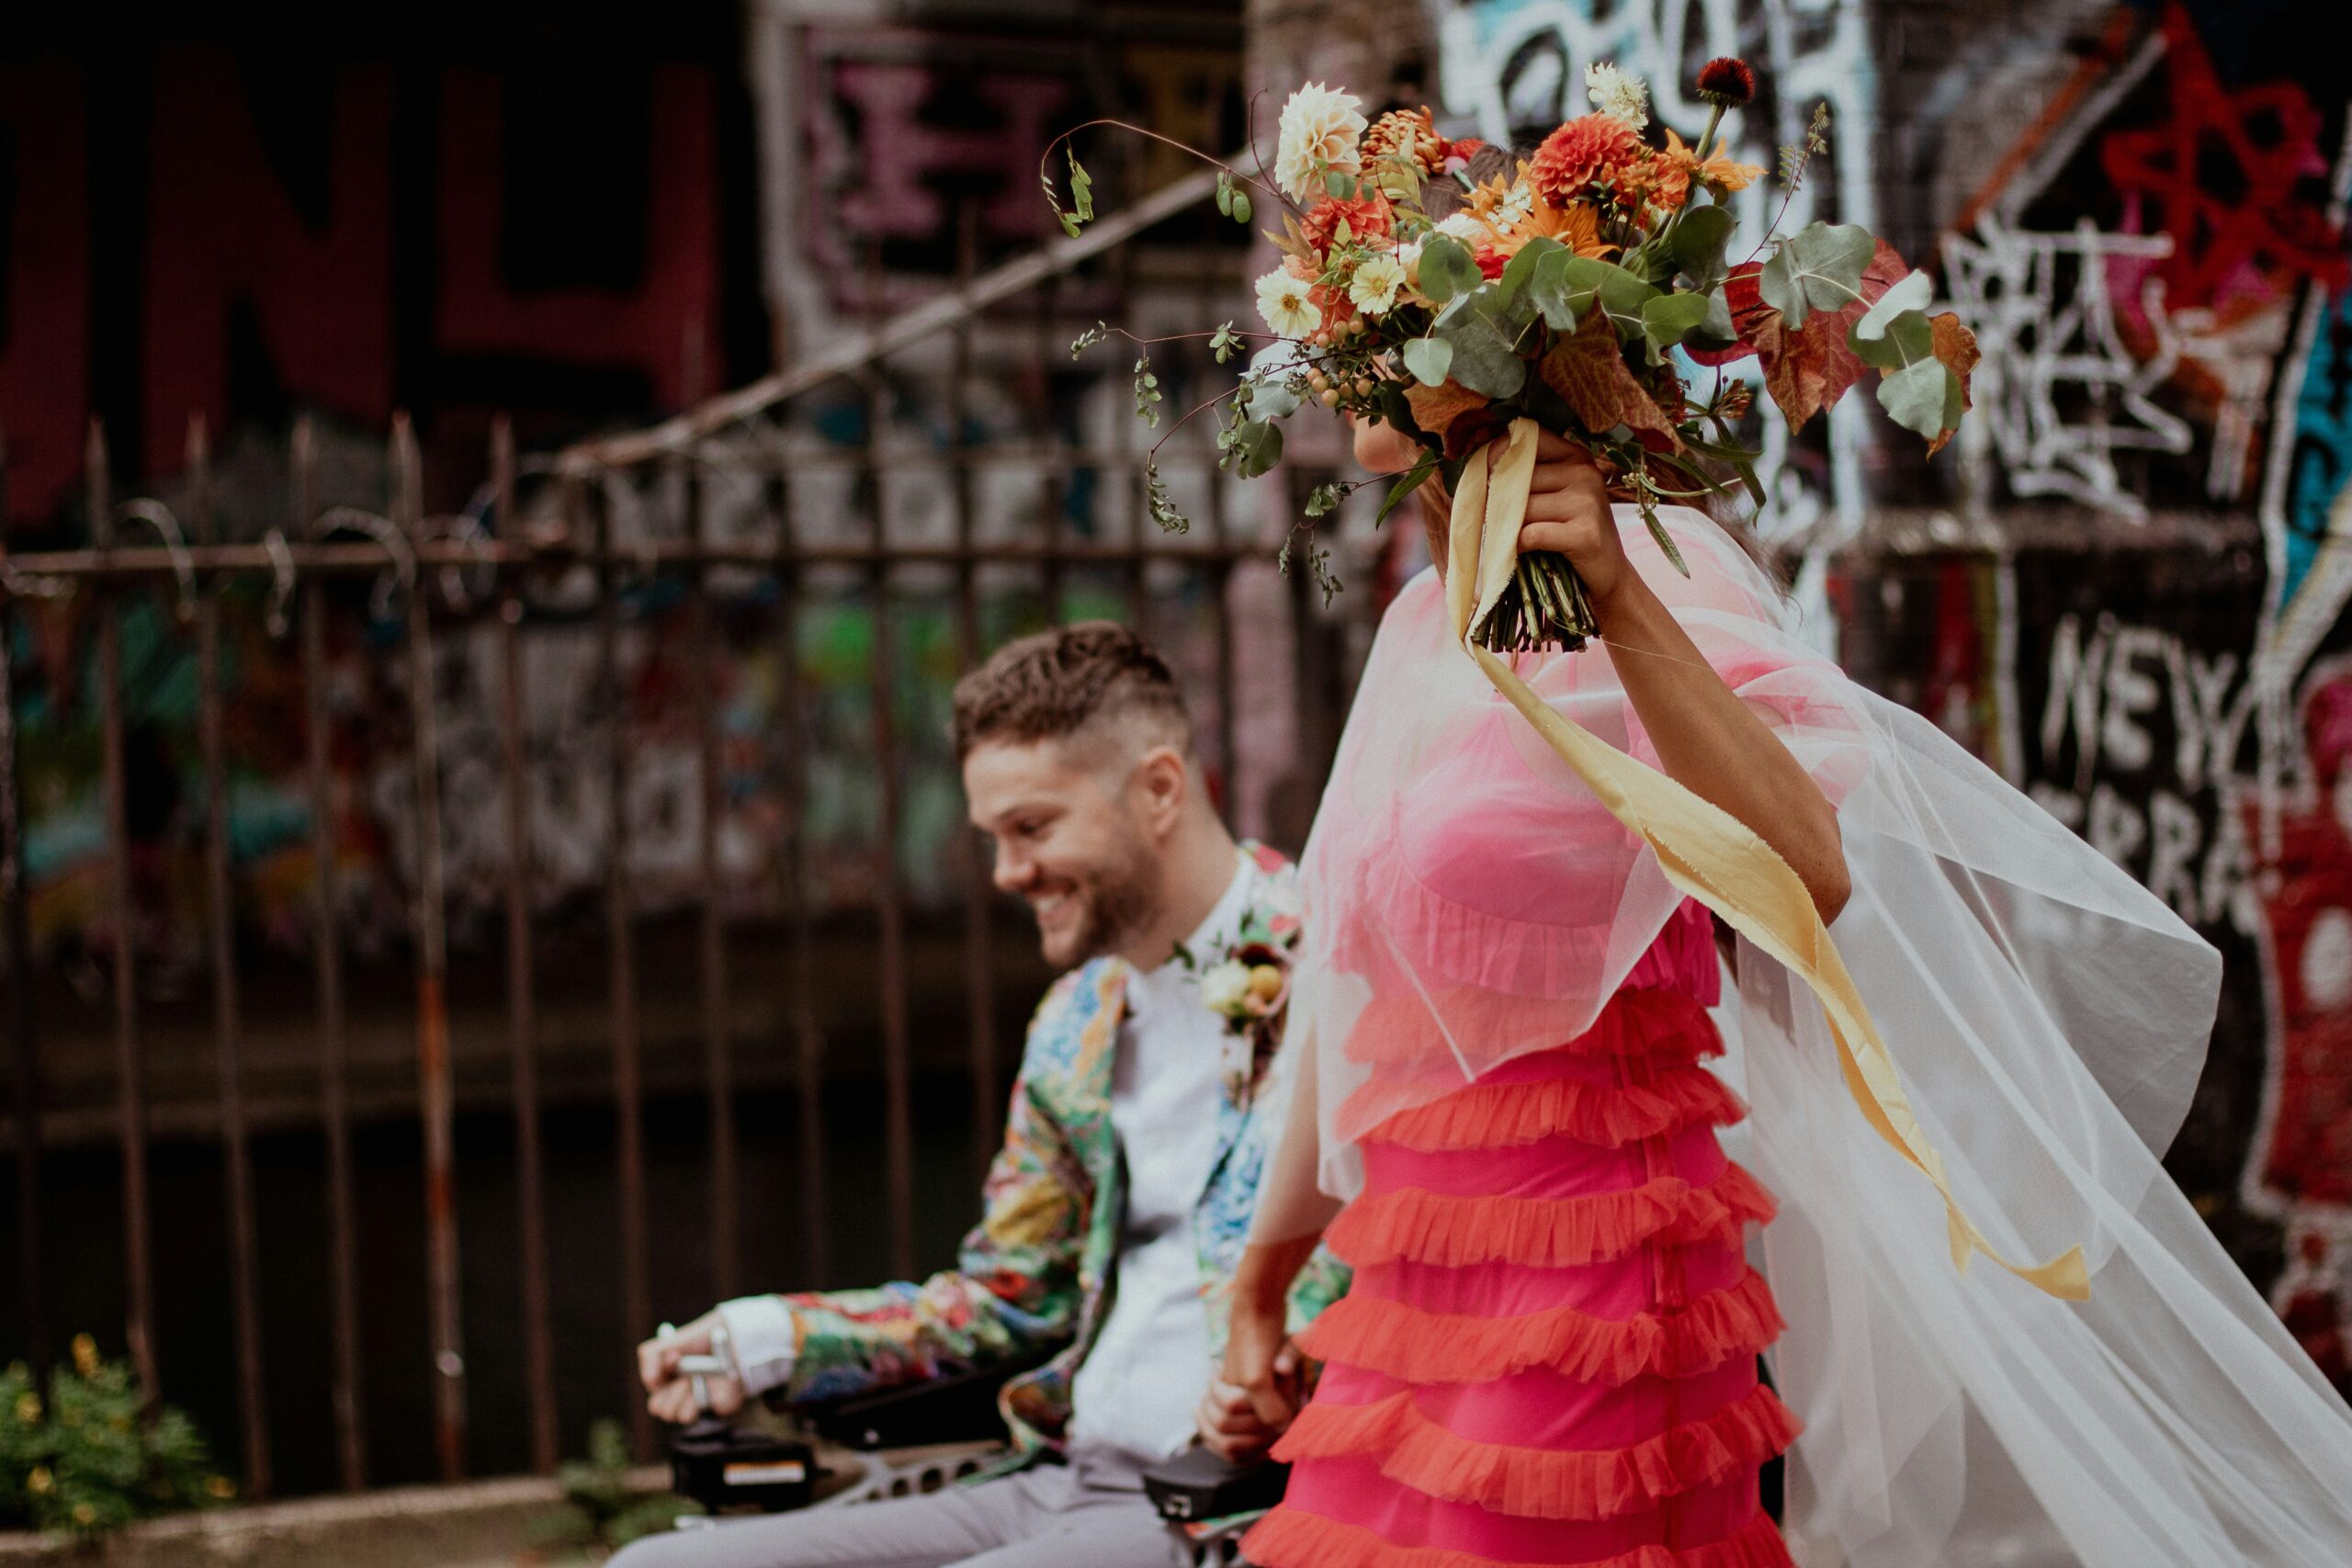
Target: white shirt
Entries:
(1134, 1395)
(1135, 1392)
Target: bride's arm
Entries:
(1707, 739)
(1290, 1219)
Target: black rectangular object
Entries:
(1196, 1485)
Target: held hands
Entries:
(670, 1396)
(1253, 1401)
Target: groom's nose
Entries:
(1013, 871)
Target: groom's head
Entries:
(1077, 765)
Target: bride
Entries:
(1549, 1352)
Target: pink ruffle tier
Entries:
(1548, 1355)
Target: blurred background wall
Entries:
(2122, 585)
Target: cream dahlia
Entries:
(1320, 126)
(1618, 96)
(1374, 288)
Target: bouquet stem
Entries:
(1544, 607)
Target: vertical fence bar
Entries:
(809, 1040)
(1049, 447)
(130, 1067)
(717, 1028)
(522, 1014)
(334, 1066)
(620, 922)
(228, 1027)
(898, 1099)
(435, 1101)
(24, 1053)
(979, 964)
(1125, 481)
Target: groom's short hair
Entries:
(1051, 685)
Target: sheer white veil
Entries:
(2048, 1018)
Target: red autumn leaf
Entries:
(1956, 346)
(1746, 305)
(1587, 369)
(1462, 419)
(1809, 370)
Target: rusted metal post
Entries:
(228, 1027)
(131, 1070)
(435, 1101)
(522, 1014)
(621, 920)
(32, 1290)
(808, 1039)
(334, 1067)
(979, 965)
(726, 1237)
(898, 1132)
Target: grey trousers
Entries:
(1046, 1517)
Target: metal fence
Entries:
(575, 526)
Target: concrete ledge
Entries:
(476, 1523)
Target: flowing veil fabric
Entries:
(1470, 900)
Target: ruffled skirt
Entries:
(1548, 1355)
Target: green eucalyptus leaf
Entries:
(1906, 340)
(1919, 396)
(1270, 399)
(1547, 289)
(1819, 268)
(1448, 270)
(1521, 268)
(1715, 330)
(1483, 360)
(1429, 358)
(1669, 318)
(1257, 446)
(1696, 244)
(1342, 188)
(1615, 291)
(1915, 293)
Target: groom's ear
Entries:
(1159, 787)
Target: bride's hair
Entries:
(1449, 193)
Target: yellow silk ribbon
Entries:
(1704, 849)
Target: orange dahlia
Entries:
(1367, 217)
(1589, 151)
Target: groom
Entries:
(1146, 1106)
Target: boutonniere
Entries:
(1248, 982)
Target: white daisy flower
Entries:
(1319, 124)
(1374, 288)
(1516, 204)
(1282, 301)
(1617, 95)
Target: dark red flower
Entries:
(1491, 263)
(1727, 80)
(1586, 151)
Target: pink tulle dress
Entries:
(1548, 1355)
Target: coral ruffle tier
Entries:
(1548, 1355)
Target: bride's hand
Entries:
(1567, 512)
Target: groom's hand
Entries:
(670, 1396)
(1237, 1427)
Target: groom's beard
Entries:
(1114, 900)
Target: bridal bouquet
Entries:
(1587, 288)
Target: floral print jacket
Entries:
(1038, 1268)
